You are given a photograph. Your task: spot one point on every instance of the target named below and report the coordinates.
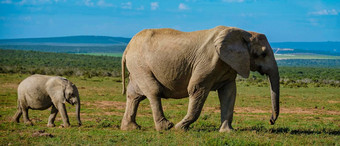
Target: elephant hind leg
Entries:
(27, 121)
(18, 114)
(153, 91)
(52, 116)
(132, 101)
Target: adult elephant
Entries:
(166, 63)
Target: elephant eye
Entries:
(263, 54)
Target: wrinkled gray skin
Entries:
(166, 63)
(39, 92)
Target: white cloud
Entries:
(102, 3)
(325, 12)
(233, 1)
(313, 22)
(33, 2)
(154, 5)
(127, 5)
(56, 1)
(88, 3)
(6, 1)
(140, 8)
(24, 18)
(182, 6)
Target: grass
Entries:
(309, 116)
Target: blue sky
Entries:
(280, 20)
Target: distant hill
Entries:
(67, 40)
(70, 44)
(326, 48)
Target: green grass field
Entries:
(309, 116)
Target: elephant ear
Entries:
(62, 85)
(56, 89)
(232, 45)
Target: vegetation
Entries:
(309, 116)
(15, 61)
(69, 49)
(103, 54)
(314, 63)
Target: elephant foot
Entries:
(28, 122)
(65, 125)
(15, 120)
(181, 127)
(129, 126)
(164, 125)
(226, 130)
(226, 127)
(50, 125)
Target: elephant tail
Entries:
(123, 73)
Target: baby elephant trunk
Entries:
(78, 112)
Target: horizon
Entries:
(280, 21)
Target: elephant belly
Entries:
(38, 102)
(175, 94)
(175, 89)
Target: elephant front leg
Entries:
(227, 95)
(63, 113)
(161, 122)
(53, 114)
(196, 102)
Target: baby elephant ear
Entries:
(232, 45)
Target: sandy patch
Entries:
(105, 104)
(9, 85)
(282, 110)
(333, 101)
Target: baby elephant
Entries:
(39, 92)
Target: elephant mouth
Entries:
(69, 101)
(261, 72)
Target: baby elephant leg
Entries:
(62, 109)
(53, 114)
(25, 116)
(17, 115)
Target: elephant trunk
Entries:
(78, 112)
(274, 79)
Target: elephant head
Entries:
(262, 60)
(72, 96)
(250, 51)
